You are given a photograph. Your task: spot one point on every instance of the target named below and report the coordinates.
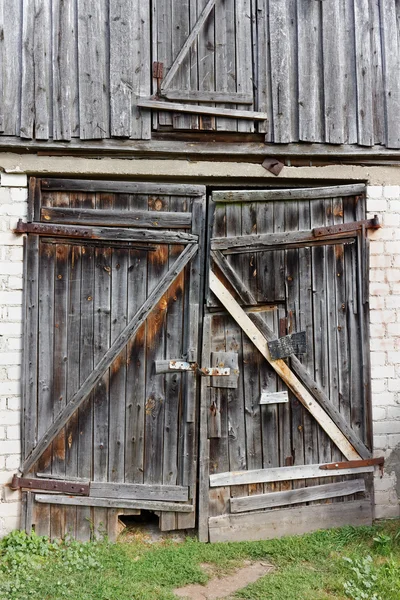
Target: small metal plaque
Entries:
(295, 343)
(274, 397)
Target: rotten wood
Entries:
(202, 110)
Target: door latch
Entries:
(171, 366)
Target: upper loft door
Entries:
(288, 307)
(203, 64)
(113, 287)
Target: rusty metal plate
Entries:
(51, 485)
(295, 343)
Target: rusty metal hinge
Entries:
(353, 464)
(50, 485)
(347, 227)
(53, 230)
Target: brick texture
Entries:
(13, 205)
(385, 339)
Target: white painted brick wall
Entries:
(13, 205)
(385, 340)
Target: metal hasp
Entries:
(168, 366)
(346, 227)
(295, 343)
(50, 485)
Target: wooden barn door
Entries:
(285, 442)
(113, 286)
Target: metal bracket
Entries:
(347, 227)
(50, 485)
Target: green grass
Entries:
(318, 566)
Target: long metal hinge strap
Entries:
(119, 344)
(346, 227)
(50, 485)
(348, 464)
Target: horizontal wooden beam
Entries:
(281, 368)
(275, 240)
(113, 503)
(288, 521)
(106, 233)
(237, 145)
(123, 218)
(289, 193)
(122, 187)
(204, 96)
(307, 494)
(231, 113)
(119, 343)
(139, 491)
(281, 474)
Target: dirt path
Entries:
(225, 586)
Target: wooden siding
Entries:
(324, 72)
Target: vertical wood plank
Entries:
(93, 67)
(225, 57)
(101, 335)
(391, 57)
(12, 65)
(310, 71)
(263, 83)
(164, 46)
(43, 69)
(28, 71)
(378, 100)
(119, 316)
(362, 28)
(349, 72)
(2, 50)
(65, 77)
(136, 361)
(122, 27)
(179, 33)
(244, 57)
(333, 77)
(204, 444)
(141, 51)
(206, 61)
(85, 413)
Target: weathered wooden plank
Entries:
(188, 43)
(225, 61)
(122, 187)
(111, 233)
(141, 76)
(12, 64)
(310, 72)
(126, 218)
(93, 67)
(222, 97)
(42, 69)
(378, 97)
(123, 24)
(244, 57)
(281, 368)
(348, 74)
(112, 503)
(263, 239)
(65, 76)
(28, 70)
(333, 84)
(288, 193)
(95, 376)
(101, 340)
(204, 444)
(362, 29)
(391, 57)
(139, 491)
(282, 474)
(202, 110)
(280, 56)
(290, 521)
(136, 360)
(180, 29)
(1, 67)
(307, 494)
